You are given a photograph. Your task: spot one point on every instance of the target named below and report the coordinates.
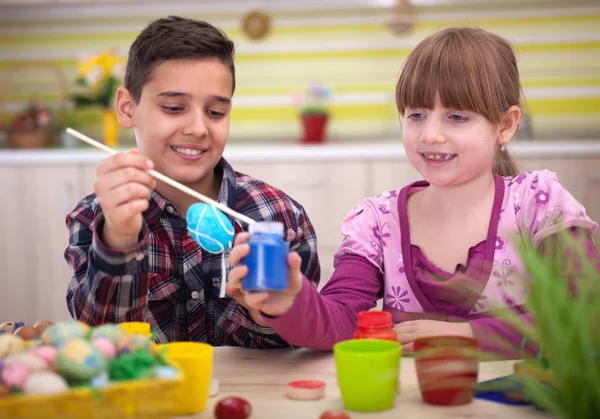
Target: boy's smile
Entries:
(181, 122)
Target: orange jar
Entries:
(375, 325)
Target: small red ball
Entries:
(233, 408)
(334, 414)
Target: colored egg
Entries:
(47, 382)
(165, 373)
(209, 227)
(60, 333)
(125, 347)
(27, 332)
(141, 342)
(105, 346)
(11, 344)
(43, 325)
(78, 361)
(46, 353)
(7, 327)
(101, 380)
(15, 376)
(33, 363)
(113, 332)
(233, 408)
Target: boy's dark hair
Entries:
(174, 38)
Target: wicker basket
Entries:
(32, 137)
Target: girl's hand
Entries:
(270, 303)
(412, 330)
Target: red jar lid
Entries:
(374, 319)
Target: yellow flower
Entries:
(107, 60)
(97, 68)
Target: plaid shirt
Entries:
(168, 280)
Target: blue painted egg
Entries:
(61, 333)
(101, 380)
(165, 373)
(210, 228)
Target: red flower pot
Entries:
(314, 126)
(447, 369)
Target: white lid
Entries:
(269, 227)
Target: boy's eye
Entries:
(172, 109)
(216, 114)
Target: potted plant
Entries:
(99, 78)
(565, 377)
(315, 114)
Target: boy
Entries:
(128, 247)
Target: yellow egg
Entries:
(11, 344)
(7, 327)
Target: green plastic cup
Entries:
(367, 371)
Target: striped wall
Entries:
(343, 45)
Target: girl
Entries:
(439, 250)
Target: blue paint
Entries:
(18, 325)
(267, 261)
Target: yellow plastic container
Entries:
(140, 399)
(137, 328)
(194, 360)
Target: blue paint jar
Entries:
(267, 261)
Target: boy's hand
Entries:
(123, 187)
(271, 303)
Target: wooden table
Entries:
(261, 376)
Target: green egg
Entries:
(78, 361)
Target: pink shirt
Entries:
(377, 258)
(533, 204)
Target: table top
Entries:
(261, 376)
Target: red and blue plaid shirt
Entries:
(167, 279)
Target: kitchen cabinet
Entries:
(32, 241)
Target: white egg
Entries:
(46, 382)
(32, 362)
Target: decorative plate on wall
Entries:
(403, 18)
(256, 24)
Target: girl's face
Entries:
(450, 147)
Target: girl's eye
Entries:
(416, 116)
(172, 109)
(459, 118)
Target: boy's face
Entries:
(181, 122)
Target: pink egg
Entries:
(47, 353)
(15, 376)
(105, 346)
